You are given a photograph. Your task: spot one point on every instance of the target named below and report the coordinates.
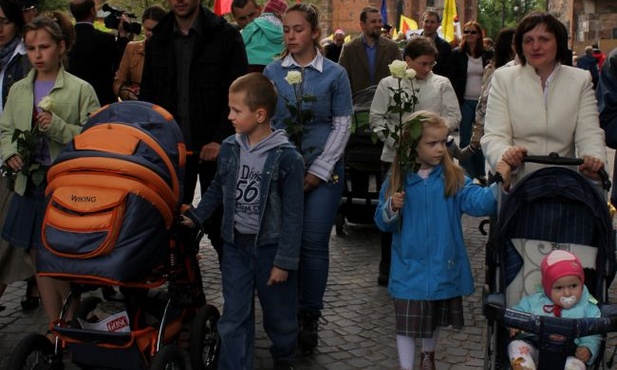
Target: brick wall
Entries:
(345, 14)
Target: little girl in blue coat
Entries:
(422, 204)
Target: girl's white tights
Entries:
(524, 356)
(406, 347)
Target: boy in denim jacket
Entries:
(259, 182)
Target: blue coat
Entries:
(586, 307)
(429, 259)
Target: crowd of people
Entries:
(265, 111)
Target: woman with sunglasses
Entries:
(468, 62)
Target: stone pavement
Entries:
(360, 329)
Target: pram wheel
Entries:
(491, 361)
(35, 352)
(204, 342)
(168, 358)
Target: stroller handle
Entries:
(566, 327)
(549, 325)
(555, 159)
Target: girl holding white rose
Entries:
(320, 129)
(49, 105)
(421, 203)
(434, 93)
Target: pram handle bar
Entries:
(570, 327)
(555, 159)
(567, 327)
(555, 335)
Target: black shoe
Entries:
(282, 365)
(308, 337)
(30, 301)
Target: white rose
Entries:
(410, 73)
(46, 104)
(293, 77)
(397, 69)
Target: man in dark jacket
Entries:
(589, 63)
(96, 54)
(430, 24)
(191, 59)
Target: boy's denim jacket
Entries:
(281, 204)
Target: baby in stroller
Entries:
(563, 294)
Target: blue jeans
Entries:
(246, 268)
(474, 166)
(320, 208)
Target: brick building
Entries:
(345, 14)
(588, 21)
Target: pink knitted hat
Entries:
(558, 264)
(275, 6)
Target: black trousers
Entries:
(204, 171)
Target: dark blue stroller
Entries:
(552, 208)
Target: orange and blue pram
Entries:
(114, 200)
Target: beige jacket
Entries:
(129, 71)
(516, 115)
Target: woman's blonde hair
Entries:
(454, 176)
(311, 14)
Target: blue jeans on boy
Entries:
(320, 207)
(244, 269)
(474, 166)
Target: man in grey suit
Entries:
(366, 57)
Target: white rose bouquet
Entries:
(295, 124)
(27, 141)
(404, 101)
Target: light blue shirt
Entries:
(326, 135)
(371, 52)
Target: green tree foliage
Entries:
(47, 5)
(493, 13)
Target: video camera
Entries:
(112, 21)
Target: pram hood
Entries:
(113, 196)
(561, 206)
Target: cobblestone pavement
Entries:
(359, 333)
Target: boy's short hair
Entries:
(418, 46)
(260, 92)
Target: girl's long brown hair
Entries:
(454, 176)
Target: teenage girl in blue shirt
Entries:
(322, 146)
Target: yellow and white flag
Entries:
(447, 21)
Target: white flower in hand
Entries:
(293, 77)
(410, 73)
(398, 69)
(46, 104)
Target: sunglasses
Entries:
(473, 32)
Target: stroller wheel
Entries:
(35, 351)
(204, 342)
(491, 348)
(168, 358)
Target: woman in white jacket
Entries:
(540, 106)
(435, 94)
